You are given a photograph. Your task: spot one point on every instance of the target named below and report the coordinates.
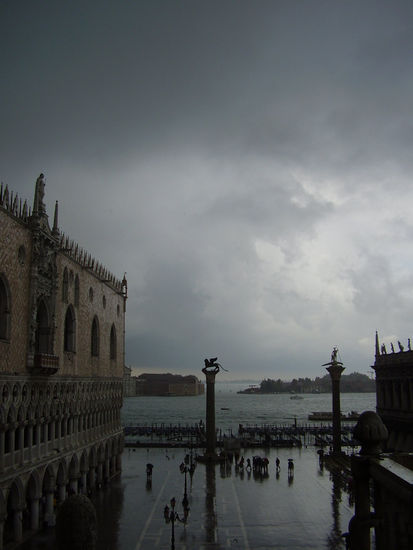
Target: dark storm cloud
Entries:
(247, 163)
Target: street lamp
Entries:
(185, 499)
(171, 516)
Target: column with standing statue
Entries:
(335, 369)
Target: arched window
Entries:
(113, 342)
(42, 329)
(4, 309)
(77, 291)
(70, 330)
(94, 344)
(65, 286)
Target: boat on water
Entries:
(328, 415)
(296, 397)
(251, 389)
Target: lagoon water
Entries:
(239, 408)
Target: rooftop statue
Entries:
(39, 192)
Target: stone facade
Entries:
(62, 324)
(129, 383)
(394, 394)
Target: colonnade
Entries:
(30, 500)
(57, 437)
(394, 394)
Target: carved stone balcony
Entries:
(45, 363)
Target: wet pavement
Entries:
(229, 508)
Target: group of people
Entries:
(260, 465)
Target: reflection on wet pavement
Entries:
(229, 507)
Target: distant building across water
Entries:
(160, 384)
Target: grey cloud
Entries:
(178, 135)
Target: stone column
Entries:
(18, 525)
(100, 474)
(57, 432)
(335, 369)
(113, 465)
(2, 438)
(40, 431)
(1, 532)
(21, 444)
(62, 492)
(107, 470)
(30, 441)
(12, 440)
(119, 462)
(84, 482)
(92, 478)
(34, 514)
(210, 370)
(73, 485)
(75, 434)
(49, 512)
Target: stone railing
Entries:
(45, 363)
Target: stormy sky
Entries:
(249, 165)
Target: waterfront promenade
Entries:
(229, 508)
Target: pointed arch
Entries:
(74, 467)
(34, 485)
(70, 330)
(16, 496)
(84, 466)
(113, 343)
(49, 479)
(94, 338)
(61, 476)
(93, 457)
(5, 308)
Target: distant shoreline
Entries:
(247, 392)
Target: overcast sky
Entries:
(249, 164)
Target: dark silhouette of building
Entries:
(62, 323)
(168, 384)
(394, 394)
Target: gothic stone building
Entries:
(62, 322)
(394, 394)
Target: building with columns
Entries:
(394, 394)
(62, 325)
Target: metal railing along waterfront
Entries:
(249, 435)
